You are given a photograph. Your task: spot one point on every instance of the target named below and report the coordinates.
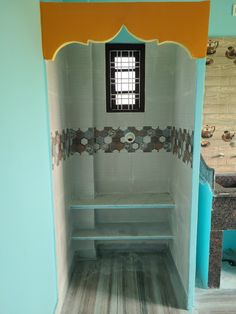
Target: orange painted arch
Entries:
(184, 23)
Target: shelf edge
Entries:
(123, 206)
(112, 238)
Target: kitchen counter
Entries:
(223, 218)
(219, 191)
(225, 185)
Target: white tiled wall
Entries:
(181, 174)
(119, 172)
(80, 87)
(57, 99)
(181, 190)
(57, 86)
(83, 175)
(136, 172)
(131, 172)
(87, 88)
(185, 85)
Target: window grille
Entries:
(125, 77)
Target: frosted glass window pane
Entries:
(125, 87)
(125, 99)
(124, 81)
(124, 62)
(125, 77)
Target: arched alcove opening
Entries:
(109, 183)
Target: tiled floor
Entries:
(228, 277)
(215, 301)
(132, 283)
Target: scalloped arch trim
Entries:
(183, 23)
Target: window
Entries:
(125, 77)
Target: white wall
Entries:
(136, 172)
(119, 172)
(58, 99)
(181, 174)
(80, 108)
(80, 88)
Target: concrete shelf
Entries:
(124, 231)
(146, 200)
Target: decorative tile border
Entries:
(147, 139)
(108, 140)
(83, 141)
(61, 146)
(182, 145)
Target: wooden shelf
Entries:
(147, 200)
(131, 231)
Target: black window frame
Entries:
(110, 74)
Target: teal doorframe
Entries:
(204, 230)
(200, 86)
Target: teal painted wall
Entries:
(222, 23)
(229, 240)
(27, 256)
(125, 37)
(203, 233)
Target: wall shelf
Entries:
(125, 201)
(131, 231)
